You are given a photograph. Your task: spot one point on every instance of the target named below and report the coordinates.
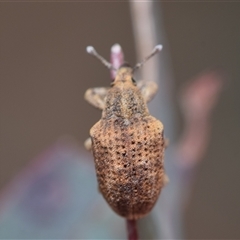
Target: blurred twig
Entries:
(132, 229)
(198, 99)
(146, 33)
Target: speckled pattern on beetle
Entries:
(128, 145)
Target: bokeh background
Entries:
(45, 71)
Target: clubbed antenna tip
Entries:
(157, 49)
(91, 50)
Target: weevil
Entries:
(127, 142)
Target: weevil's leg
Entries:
(148, 89)
(96, 96)
(165, 179)
(88, 144)
(166, 142)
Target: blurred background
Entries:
(45, 72)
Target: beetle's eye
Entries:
(133, 80)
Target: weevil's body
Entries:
(128, 147)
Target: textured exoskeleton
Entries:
(128, 145)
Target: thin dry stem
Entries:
(132, 229)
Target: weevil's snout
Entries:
(124, 74)
(125, 65)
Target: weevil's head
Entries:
(124, 75)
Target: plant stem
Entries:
(132, 229)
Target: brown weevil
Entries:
(127, 142)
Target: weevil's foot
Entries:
(148, 89)
(96, 97)
(88, 144)
(165, 179)
(166, 142)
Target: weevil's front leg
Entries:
(166, 142)
(88, 144)
(148, 89)
(165, 179)
(96, 97)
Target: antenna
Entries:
(157, 49)
(91, 50)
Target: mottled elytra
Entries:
(127, 142)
